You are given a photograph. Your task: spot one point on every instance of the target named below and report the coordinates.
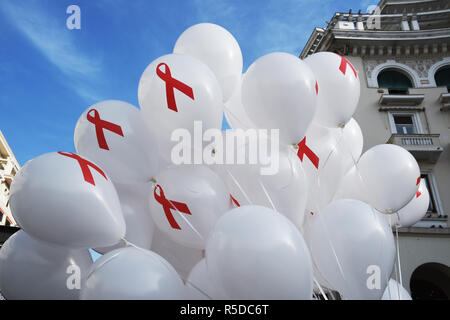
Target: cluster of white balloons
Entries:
(214, 231)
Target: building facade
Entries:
(8, 168)
(401, 51)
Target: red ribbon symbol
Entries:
(304, 149)
(418, 193)
(172, 83)
(84, 165)
(169, 205)
(100, 125)
(343, 66)
(233, 200)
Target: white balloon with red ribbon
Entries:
(113, 134)
(176, 91)
(323, 164)
(414, 211)
(389, 177)
(65, 199)
(186, 202)
(279, 91)
(218, 49)
(339, 88)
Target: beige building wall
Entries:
(8, 168)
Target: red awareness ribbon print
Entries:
(171, 84)
(169, 205)
(101, 124)
(303, 149)
(84, 165)
(344, 64)
(234, 201)
(418, 194)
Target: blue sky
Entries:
(49, 74)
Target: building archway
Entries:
(442, 77)
(430, 281)
(394, 80)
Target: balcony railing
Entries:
(424, 147)
(401, 99)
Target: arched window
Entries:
(442, 77)
(395, 81)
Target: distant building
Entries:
(8, 169)
(402, 53)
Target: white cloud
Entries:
(50, 36)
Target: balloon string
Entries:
(198, 289)
(239, 186)
(341, 271)
(320, 288)
(398, 259)
(267, 194)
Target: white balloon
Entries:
(186, 203)
(218, 49)
(353, 248)
(67, 200)
(395, 291)
(414, 211)
(199, 283)
(390, 175)
(323, 164)
(256, 253)
(352, 186)
(110, 129)
(181, 257)
(136, 212)
(175, 91)
(338, 86)
(132, 274)
(350, 143)
(234, 111)
(280, 184)
(33, 269)
(278, 92)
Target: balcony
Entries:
(445, 100)
(424, 147)
(401, 99)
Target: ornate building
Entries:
(401, 50)
(8, 168)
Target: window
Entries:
(432, 205)
(395, 81)
(442, 77)
(405, 123)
